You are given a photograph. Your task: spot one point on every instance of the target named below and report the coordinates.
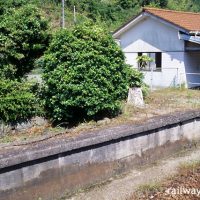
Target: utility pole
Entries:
(63, 14)
(74, 14)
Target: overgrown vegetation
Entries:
(85, 71)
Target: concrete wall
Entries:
(51, 168)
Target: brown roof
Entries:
(186, 20)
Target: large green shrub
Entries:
(23, 38)
(17, 102)
(85, 74)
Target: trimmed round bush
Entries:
(85, 74)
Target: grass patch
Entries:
(189, 166)
(151, 187)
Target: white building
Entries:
(171, 38)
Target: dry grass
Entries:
(161, 102)
(30, 134)
(158, 102)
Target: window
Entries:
(156, 64)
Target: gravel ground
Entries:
(122, 188)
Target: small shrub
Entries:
(85, 74)
(17, 102)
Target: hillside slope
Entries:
(108, 13)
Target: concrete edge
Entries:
(58, 146)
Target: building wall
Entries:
(151, 35)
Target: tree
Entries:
(23, 38)
(85, 74)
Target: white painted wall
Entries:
(151, 35)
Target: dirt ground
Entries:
(146, 183)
